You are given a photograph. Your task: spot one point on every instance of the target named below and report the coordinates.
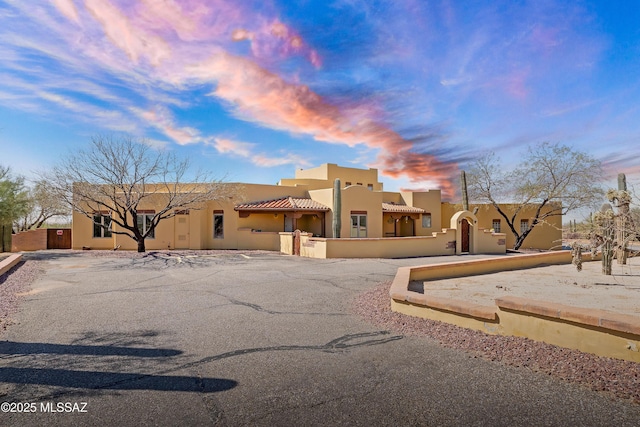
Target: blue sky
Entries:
(255, 89)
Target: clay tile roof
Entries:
(283, 204)
(392, 207)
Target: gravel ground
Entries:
(617, 377)
(12, 284)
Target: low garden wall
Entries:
(263, 240)
(9, 262)
(599, 332)
(442, 243)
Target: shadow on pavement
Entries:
(12, 347)
(113, 380)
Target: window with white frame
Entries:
(426, 220)
(101, 225)
(524, 225)
(495, 224)
(218, 224)
(358, 224)
(144, 224)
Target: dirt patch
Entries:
(562, 284)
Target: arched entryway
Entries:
(405, 226)
(466, 225)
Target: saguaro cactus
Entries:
(463, 185)
(336, 223)
(622, 182)
(605, 220)
(622, 226)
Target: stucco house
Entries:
(375, 223)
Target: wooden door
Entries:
(59, 238)
(182, 230)
(464, 235)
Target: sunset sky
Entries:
(255, 89)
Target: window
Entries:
(495, 224)
(370, 187)
(358, 224)
(426, 220)
(144, 224)
(101, 225)
(348, 183)
(218, 224)
(524, 225)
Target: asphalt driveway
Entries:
(251, 339)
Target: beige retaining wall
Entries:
(599, 332)
(9, 262)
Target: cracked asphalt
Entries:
(256, 339)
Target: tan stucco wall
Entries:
(490, 243)
(581, 336)
(430, 202)
(544, 236)
(324, 176)
(357, 198)
(266, 222)
(325, 197)
(82, 235)
(390, 247)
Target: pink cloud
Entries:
(515, 84)
(246, 150)
(161, 119)
(240, 34)
(67, 8)
(224, 145)
(258, 95)
(132, 39)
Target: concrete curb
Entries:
(8, 263)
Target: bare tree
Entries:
(43, 205)
(611, 232)
(118, 176)
(551, 179)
